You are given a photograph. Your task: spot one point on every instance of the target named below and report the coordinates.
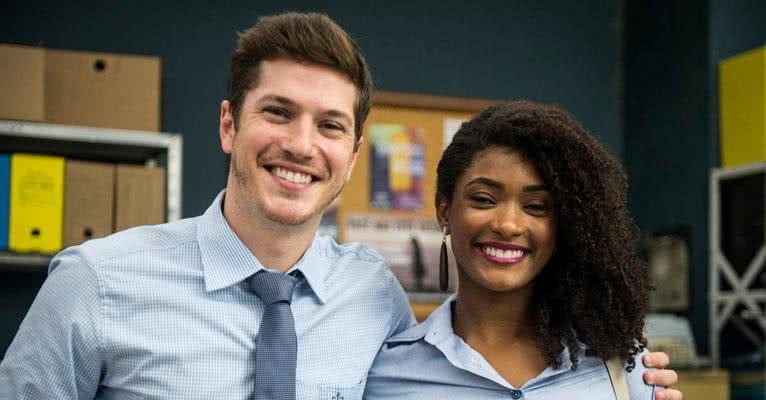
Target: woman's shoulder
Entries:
(406, 356)
(405, 346)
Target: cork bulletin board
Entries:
(389, 204)
(424, 112)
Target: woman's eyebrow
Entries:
(535, 188)
(485, 181)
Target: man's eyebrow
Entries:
(278, 99)
(339, 114)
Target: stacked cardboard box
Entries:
(80, 88)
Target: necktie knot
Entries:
(273, 287)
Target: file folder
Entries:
(88, 201)
(139, 197)
(5, 198)
(37, 203)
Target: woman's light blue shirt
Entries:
(429, 361)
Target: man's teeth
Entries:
(500, 253)
(290, 176)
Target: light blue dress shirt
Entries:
(163, 312)
(429, 361)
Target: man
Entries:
(174, 310)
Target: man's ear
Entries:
(226, 127)
(354, 157)
(442, 211)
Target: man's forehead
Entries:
(300, 84)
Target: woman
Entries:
(550, 286)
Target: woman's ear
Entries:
(442, 208)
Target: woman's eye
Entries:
(537, 208)
(482, 200)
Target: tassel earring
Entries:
(443, 263)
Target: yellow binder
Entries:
(37, 203)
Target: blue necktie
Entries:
(275, 351)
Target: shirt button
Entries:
(516, 394)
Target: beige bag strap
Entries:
(617, 376)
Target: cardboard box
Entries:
(742, 93)
(102, 90)
(88, 201)
(80, 88)
(22, 80)
(139, 196)
(37, 203)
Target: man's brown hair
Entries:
(303, 37)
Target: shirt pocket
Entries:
(312, 391)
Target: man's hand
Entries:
(661, 376)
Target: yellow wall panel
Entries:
(742, 94)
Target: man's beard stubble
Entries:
(255, 205)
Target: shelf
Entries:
(101, 144)
(15, 262)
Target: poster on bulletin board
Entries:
(397, 158)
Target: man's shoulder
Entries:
(355, 263)
(358, 252)
(134, 241)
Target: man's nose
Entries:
(299, 141)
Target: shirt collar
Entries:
(227, 261)
(312, 266)
(437, 325)
(437, 331)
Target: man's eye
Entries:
(333, 126)
(277, 111)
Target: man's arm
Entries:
(661, 376)
(401, 312)
(56, 351)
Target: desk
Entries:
(707, 384)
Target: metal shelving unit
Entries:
(95, 144)
(740, 293)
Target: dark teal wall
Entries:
(556, 51)
(671, 138)
(667, 120)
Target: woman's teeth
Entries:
(500, 253)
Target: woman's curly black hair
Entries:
(594, 289)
